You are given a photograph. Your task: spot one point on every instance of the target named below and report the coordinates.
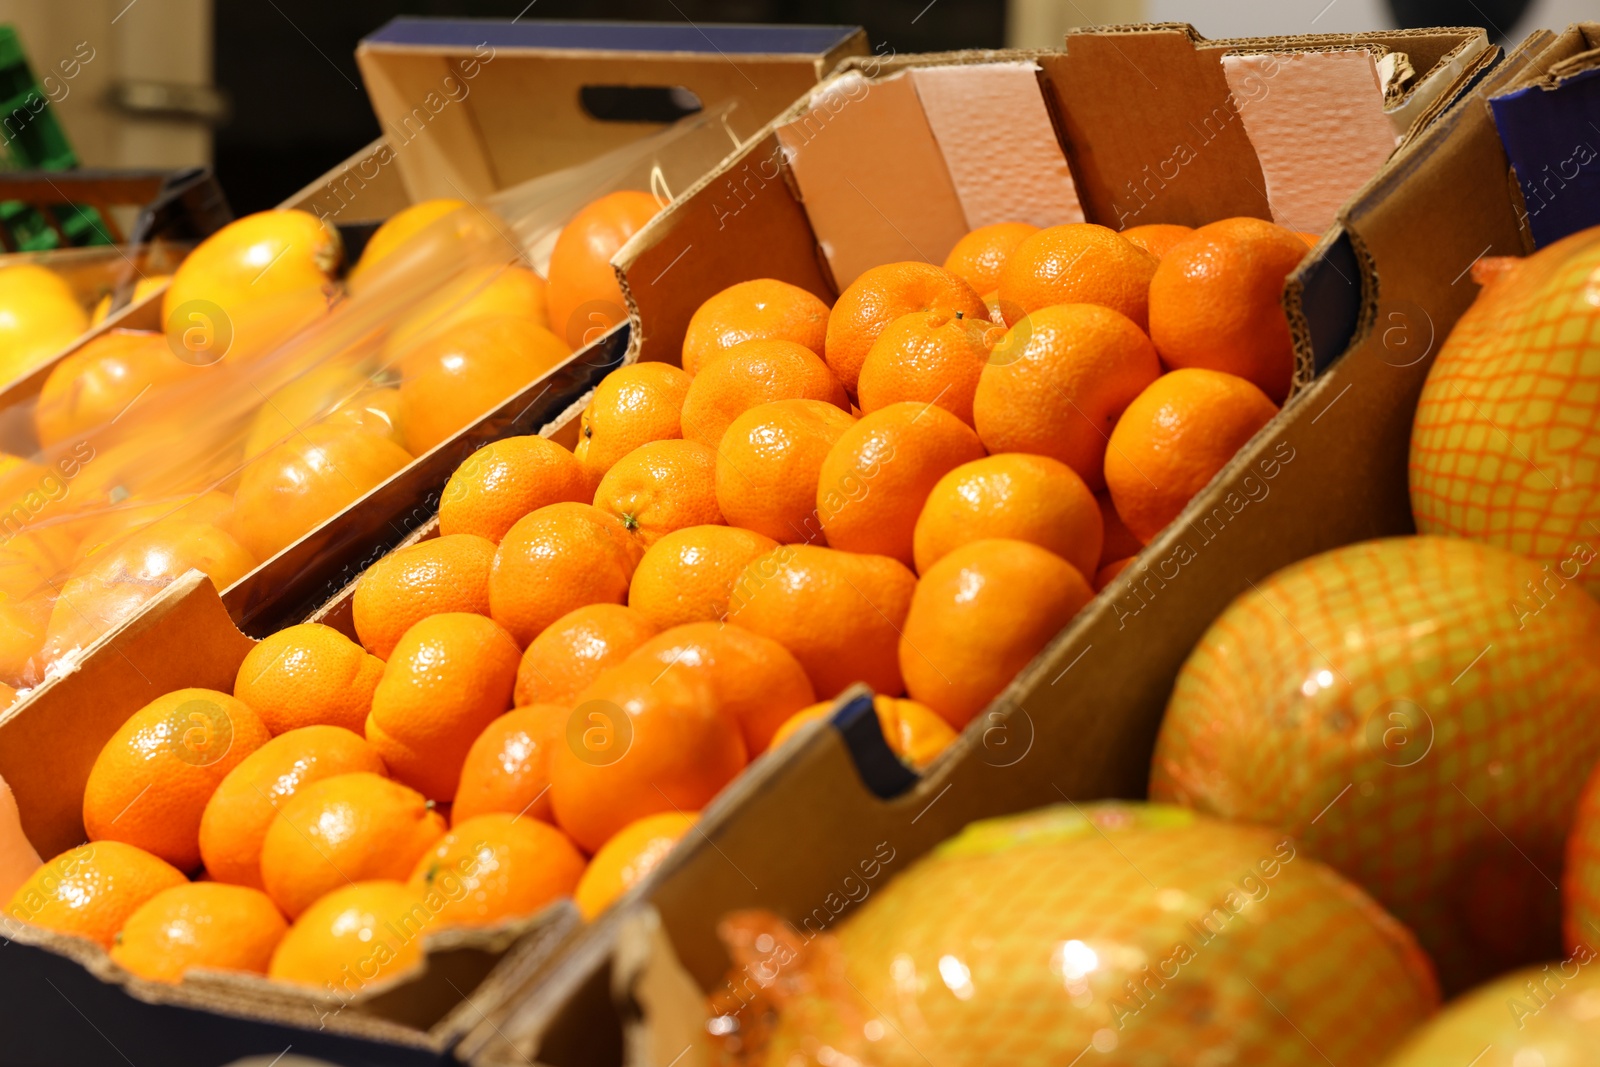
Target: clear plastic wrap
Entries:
(266, 410)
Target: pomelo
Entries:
(1146, 933)
(1404, 709)
(1580, 886)
(1545, 1016)
(1505, 447)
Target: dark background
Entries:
(282, 61)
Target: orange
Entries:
(23, 620)
(150, 783)
(877, 476)
(1012, 495)
(1106, 574)
(584, 297)
(307, 480)
(1079, 263)
(307, 675)
(448, 678)
(631, 406)
(39, 316)
(764, 309)
(149, 520)
(355, 936)
(8, 696)
(1174, 438)
(754, 679)
(931, 356)
(393, 234)
(374, 408)
(641, 742)
(768, 465)
(878, 297)
(347, 828)
(101, 380)
(1157, 237)
(451, 381)
(978, 257)
(90, 891)
(979, 616)
(991, 300)
(259, 255)
(203, 924)
(142, 290)
(912, 731)
(254, 283)
(688, 575)
(495, 867)
(560, 557)
(1117, 541)
(306, 400)
(1060, 391)
(490, 291)
(508, 766)
(752, 373)
(1217, 302)
(505, 480)
(659, 487)
(238, 814)
(569, 654)
(113, 584)
(838, 613)
(633, 852)
(446, 573)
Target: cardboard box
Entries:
(188, 634)
(792, 833)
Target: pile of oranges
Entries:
(915, 489)
(213, 446)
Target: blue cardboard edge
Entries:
(1551, 135)
(880, 769)
(657, 37)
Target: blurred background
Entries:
(268, 91)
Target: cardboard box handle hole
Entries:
(638, 103)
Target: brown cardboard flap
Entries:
(1151, 130)
(872, 177)
(49, 742)
(1025, 178)
(458, 118)
(742, 221)
(670, 1025)
(1435, 87)
(1318, 126)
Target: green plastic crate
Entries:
(32, 139)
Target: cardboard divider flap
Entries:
(1026, 180)
(1317, 124)
(902, 205)
(742, 221)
